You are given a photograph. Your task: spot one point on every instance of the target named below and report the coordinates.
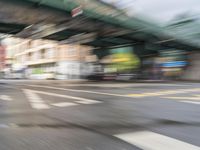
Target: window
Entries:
(71, 51)
(36, 56)
(29, 57)
(23, 58)
(50, 53)
(42, 55)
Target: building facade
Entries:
(48, 59)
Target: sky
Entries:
(164, 10)
(159, 10)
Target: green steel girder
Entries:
(95, 10)
(62, 35)
(117, 40)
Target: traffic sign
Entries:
(77, 11)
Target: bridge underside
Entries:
(32, 20)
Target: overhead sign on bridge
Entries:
(77, 11)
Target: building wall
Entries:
(2, 57)
(36, 52)
(45, 56)
(71, 61)
(73, 52)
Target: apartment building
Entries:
(47, 59)
(72, 61)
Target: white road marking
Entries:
(88, 102)
(5, 98)
(194, 97)
(138, 95)
(39, 106)
(35, 101)
(80, 99)
(64, 104)
(81, 91)
(147, 140)
(191, 102)
(124, 85)
(165, 92)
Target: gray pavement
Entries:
(99, 116)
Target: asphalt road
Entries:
(58, 115)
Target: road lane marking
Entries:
(191, 102)
(135, 95)
(64, 104)
(81, 91)
(35, 101)
(148, 140)
(194, 97)
(182, 98)
(88, 102)
(124, 85)
(165, 92)
(80, 99)
(39, 106)
(5, 98)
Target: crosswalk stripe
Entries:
(135, 95)
(148, 140)
(88, 102)
(35, 101)
(80, 99)
(39, 106)
(5, 98)
(64, 104)
(80, 91)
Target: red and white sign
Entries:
(77, 11)
(2, 57)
